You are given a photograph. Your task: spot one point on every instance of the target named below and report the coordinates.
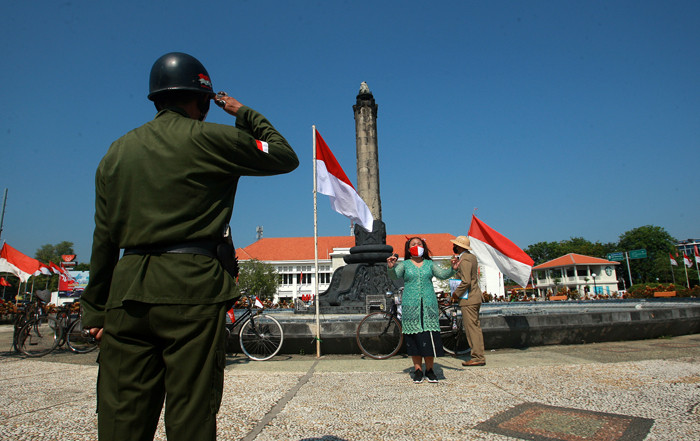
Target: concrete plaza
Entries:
(645, 389)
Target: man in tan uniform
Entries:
(469, 295)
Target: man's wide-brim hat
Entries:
(462, 241)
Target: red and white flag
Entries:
(55, 268)
(21, 265)
(43, 269)
(687, 261)
(258, 303)
(332, 181)
(495, 250)
(7, 267)
(673, 261)
(697, 255)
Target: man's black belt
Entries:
(204, 247)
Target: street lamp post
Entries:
(595, 289)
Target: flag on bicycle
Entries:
(231, 315)
(258, 303)
(493, 249)
(332, 181)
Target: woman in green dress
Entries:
(420, 317)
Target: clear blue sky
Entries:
(556, 119)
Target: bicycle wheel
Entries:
(38, 337)
(454, 340)
(261, 337)
(379, 335)
(20, 321)
(78, 340)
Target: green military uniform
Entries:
(170, 181)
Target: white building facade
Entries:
(584, 274)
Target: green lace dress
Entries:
(420, 314)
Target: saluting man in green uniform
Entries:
(164, 194)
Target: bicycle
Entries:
(260, 335)
(37, 336)
(454, 340)
(42, 334)
(379, 334)
(72, 333)
(22, 317)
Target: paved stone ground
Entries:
(611, 391)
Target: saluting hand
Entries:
(230, 104)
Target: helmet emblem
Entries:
(204, 81)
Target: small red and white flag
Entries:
(497, 251)
(332, 181)
(687, 261)
(673, 261)
(697, 255)
(258, 303)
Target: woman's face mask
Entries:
(416, 251)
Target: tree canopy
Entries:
(545, 251)
(52, 253)
(258, 278)
(658, 244)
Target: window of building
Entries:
(286, 279)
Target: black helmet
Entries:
(178, 71)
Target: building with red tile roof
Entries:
(293, 258)
(585, 274)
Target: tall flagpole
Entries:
(318, 321)
(2, 216)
